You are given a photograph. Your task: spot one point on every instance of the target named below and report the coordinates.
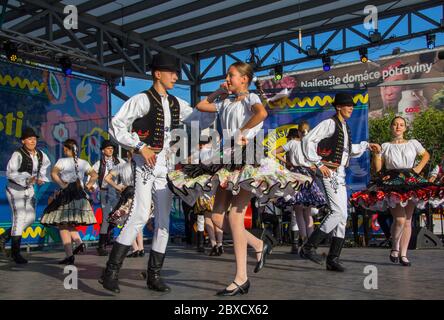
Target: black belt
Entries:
(15, 183)
(103, 189)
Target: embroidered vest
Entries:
(102, 169)
(331, 149)
(151, 127)
(27, 164)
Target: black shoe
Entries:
(308, 250)
(404, 263)
(4, 238)
(261, 263)
(393, 258)
(333, 263)
(214, 251)
(141, 253)
(81, 248)
(101, 249)
(110, 276)
(154, 281)
(200, 241)
(68, 260)
(15, 250)
(294, 242)
(220, 250)
(311, 254)
(134, 254)
(239, 290)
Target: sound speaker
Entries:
(423, 238)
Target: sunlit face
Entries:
(30, 143)
(67, 152)
(398, 127)
(108, 151)
(235, 81)
(345, 111)
(167, 78)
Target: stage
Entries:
(192, 275)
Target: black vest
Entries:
(27, 164)
(331, 149)
(150, 128)
(102, 168)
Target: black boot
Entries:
(294, 241)
(308, 250)
(15, 250)
(101, 251)
(200, 241)
(154, 281)
(333, 263)
(4, 238)
(110, 277)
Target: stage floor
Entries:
(195, 276)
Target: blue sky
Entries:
(134, 86)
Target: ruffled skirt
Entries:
(70, 206)
(307, 197)
(267, 180)
(399, 187)
(121, 211)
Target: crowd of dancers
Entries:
(306, 174)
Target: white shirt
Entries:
(21, 178)
(234, 115)
(137, 107)
(109, 165)
(125, 172)
(401, 155)
(435, 171)
(294, 154)
(324, 130)
(67, 169)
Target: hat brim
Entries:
(29, 136)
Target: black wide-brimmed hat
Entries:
(164, 61)
(343, 99)
(27, 133)
(106, 144)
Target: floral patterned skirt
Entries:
(266, 180)
(308, 197)
(70, 206)
(399, 187)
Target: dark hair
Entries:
(398, 117)
(292, 133)
(301, 124)
(72, 145)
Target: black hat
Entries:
(343, 99)
(27, 133)
(106, 144)
(163, 61)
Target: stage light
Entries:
(312, 51)
(363, 54)
(10, 51)
(396, 51)
(431, 41)
(326, 63)
(278, 71)
(66, 65)
(375, 36)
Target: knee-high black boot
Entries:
(154, 281)
(200, 241)
(308, 250)
(101, 251)
(4, 238)
(110, 276)
(333, 263)
(294, 241)
(15, 250)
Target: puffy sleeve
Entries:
(287, 146)
(310, 142)
(418, 147)
(46, 163)
(12, 172)
(253, 99)
(359, 149)
(121, 124)
(188, 115)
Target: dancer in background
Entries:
(26, 169)
(70, 207)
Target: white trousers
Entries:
(336, 193)
(151, 185)
(22, 202)
(108, 200)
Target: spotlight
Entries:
(65, 63)
(363, 54)
(431, 41)
(396, 51)
(326, 63)
(11, 51)
(312, 51)
(375, 36)
(278, 71)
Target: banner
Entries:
(57, 107)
